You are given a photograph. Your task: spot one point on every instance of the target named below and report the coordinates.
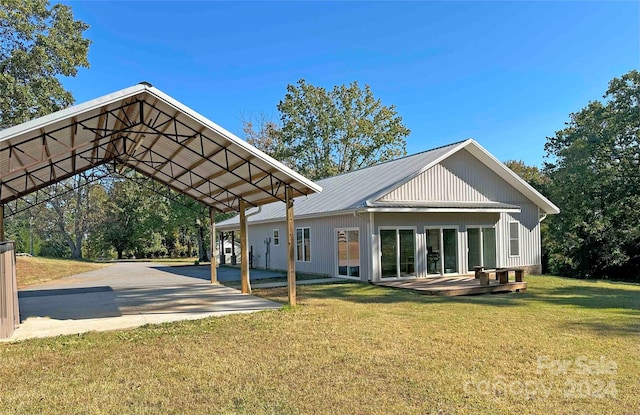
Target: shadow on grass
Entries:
(572, 293)
(628, 327)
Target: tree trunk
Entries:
(77, 251)
(119, 253)
(203, 255)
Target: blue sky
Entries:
(507, 74)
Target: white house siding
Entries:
(463, 178)
(460, 177)
(529, 225)
(322, 239)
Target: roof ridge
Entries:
(396, 159)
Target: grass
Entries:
(36, 270)
(352, 348)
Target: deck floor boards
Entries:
(453, 286)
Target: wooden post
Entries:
(214, 273)
(477, 270)
(484, 278)
(244, 249)
(519, 275)
(291, 263)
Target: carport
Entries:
(143, 129)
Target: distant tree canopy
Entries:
(323, 133)
(594, 172)
(39, 43)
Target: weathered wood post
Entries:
(214, 273)
(244, 249)
(477, 270)
(291, 263)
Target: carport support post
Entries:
(291, 264)
(212, 218)
(244, 249)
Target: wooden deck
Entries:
(454, 286)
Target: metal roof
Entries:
(361, 189)
(144, 129)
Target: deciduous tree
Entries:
(594, 167)
(38, 44)
(323, 133)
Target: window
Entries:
(303, 245)
(276, 237)
(514, 238)
(348, 245)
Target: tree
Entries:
(594, 169)
(39, 44)
(324, 133)
(530, 174)
(540, 181)
(74, 211)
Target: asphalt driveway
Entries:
(130, 294)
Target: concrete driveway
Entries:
(130, 294)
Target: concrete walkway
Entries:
(130, 294)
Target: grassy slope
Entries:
(350, 348)
(35, 270)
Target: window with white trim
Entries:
(514, 239)
(303, 245)
(276, 237)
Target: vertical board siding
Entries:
(323, 245)
(459, 178)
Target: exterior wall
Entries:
(459, 178)
(322, 239)
(529, 237)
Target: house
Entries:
(439, 212)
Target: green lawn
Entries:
(563, 347)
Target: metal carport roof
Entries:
(150, 132)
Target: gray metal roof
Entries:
(143, 129)
(354, 190)
(361, 189)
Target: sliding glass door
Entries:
(397, 252)
(481, 244)
(442, 251)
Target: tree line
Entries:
(592, 173)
